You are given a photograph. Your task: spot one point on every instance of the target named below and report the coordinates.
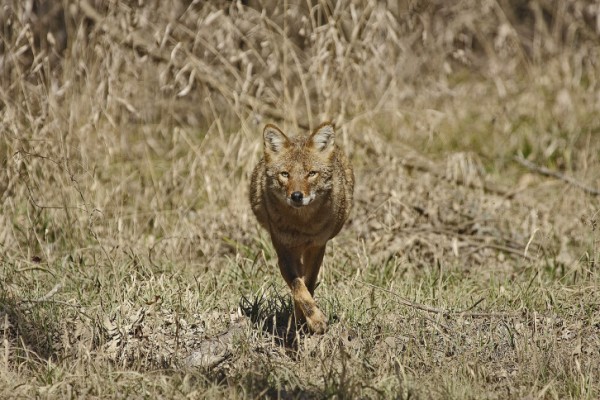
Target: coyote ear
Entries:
(323, 137)
(275, 139)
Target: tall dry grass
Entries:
(86, 87)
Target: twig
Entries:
(435, 310)
(26, 304)
(47, 296)
(555, 174)
(506, 249)
(474, 240)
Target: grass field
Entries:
(131, 265)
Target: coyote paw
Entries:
(310, 313)
(317, 322)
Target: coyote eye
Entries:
(312, 174)
(284, 174)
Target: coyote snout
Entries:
(301, 192)
(299, 199)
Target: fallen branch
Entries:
(555, 174)
(421, 164)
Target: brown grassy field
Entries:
(128, 250)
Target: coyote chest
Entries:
(301, 192)
(311, 225)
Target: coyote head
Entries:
(299, 169)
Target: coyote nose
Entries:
(296, 197)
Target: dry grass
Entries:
(128, 131)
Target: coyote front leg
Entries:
(312, 259)
(292, 270)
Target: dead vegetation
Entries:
(129, 253)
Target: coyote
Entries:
(301, 192)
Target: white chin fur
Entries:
(305, 201)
